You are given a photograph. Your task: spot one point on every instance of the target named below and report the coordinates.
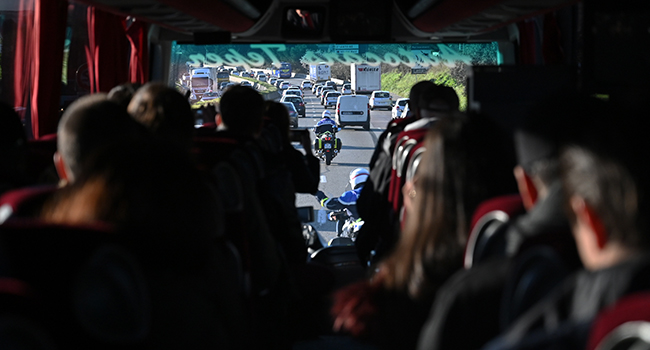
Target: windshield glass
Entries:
(401, 65)
(382, 95)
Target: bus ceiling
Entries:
(225, 21)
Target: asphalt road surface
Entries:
(356, 151)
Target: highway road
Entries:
(357, 149)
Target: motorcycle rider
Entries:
(346, 202)
(326, 119)
(324, 125)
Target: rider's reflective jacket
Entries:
(347, 200)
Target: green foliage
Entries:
(400, 83)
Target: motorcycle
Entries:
(326, 145)
(347, 226)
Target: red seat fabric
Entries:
(634, 307)
(24, 202)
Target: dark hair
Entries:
(278, 115)
(89, 124)
(149, 189)
(122, 94)
(607, 165)
(467, 160)
(416, 91)
(242, 110)
(165, 112)
(438, 98)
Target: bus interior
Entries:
(53, 52)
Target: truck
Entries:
(223, 77)
(201, 81)
(319, 72)
(365, 78)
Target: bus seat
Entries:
(625, 325)
(343, 260)
(489, 221)
(39, 157)
(24, 202)
(533, 275)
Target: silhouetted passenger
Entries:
(476, 304)
(390, 308)
(123, 93)
(605, 178)
(166, 214)
(380, 230)
(165, 112)
(90, 123)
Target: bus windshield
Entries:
(399, 65)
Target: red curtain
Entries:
(107, 52)
(136, 32)
(527, 42)
(39, 60)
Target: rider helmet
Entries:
(358, 176)
(327, 114)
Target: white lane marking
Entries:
(323, 179)
(322, 216)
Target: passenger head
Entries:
(538, 139)
(241, 111)
(278, 115)
(450, 182)
(414, 96)
(122, 94)
(148, 189)
(165, 112)
(435, 101)
(87, 125)
(12, 148)
(358, 177)
(605, 173)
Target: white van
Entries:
(353, 110)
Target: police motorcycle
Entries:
(326, 145)
(344, 208)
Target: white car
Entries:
(346, 89)
(209, 96)
(293, 90)
(398, 108)
(246, 83)
(306, 84)
(380, 99)
(284, 85)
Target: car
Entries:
(306, 84)
(272, 81)
(284, 85)
(315, 87)
(346, 89)
(293, 114)
(246, 83)
(406, 111)
(298, 103)
(234, 73)
(229, 85)
(319, 92)
(352, 110)
(331, 98)
(209, 96)
(399, 107)
(278, 82)
(293, 90)
(322, 93)
(380, 99)
(262, 78)
(223, 84)
(331, 83)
